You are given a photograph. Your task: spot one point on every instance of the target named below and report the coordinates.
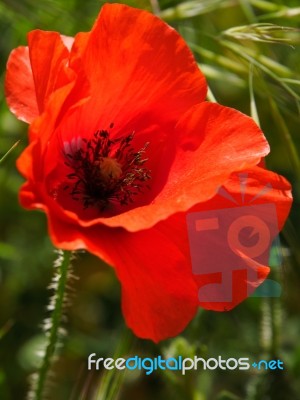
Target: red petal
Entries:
(141, 69)
(19, 86)
(159, 295)
(35, 72)
(248, 190)
(212, 142)
(154, 265)
(48, 56)
(215, 141)
(78, 49)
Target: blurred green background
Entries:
(258, 328)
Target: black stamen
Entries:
(91, 184)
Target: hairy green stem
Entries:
(58, 300)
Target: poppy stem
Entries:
(52, 326)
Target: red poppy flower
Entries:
(122, 146)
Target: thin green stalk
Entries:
(6, 328)
(192, 8)
(265, 5)
(248, 11)
(276, 326)
(9, 151)
(111, 381)
(210, 96)
(155, 7)
(266, 327)
(270, 327)
(253, 108)
(238, 50)
(284, 133)
(286, 138)
(57, 304)
(283, 13)
(219, 59)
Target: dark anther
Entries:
(104, 171)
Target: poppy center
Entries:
(104, 171)
(110, 168)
